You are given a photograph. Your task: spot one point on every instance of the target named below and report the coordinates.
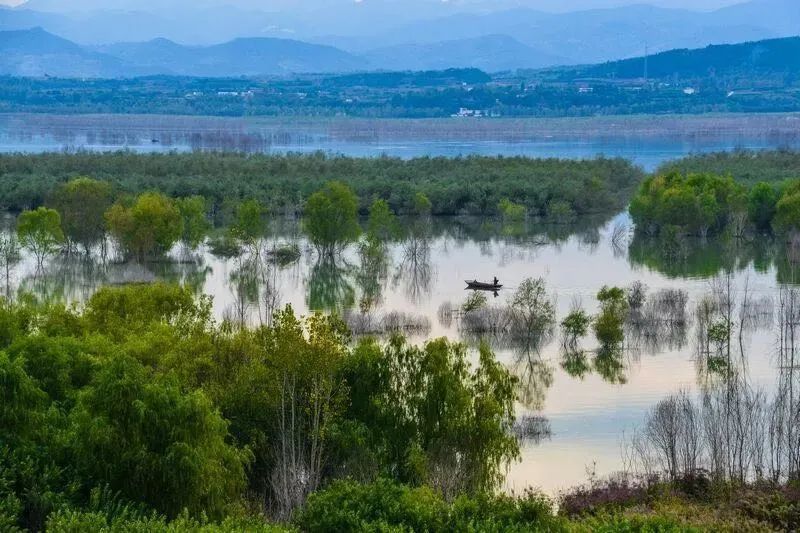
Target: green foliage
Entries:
(382, 506)
(250, 222)
(82, 203)
(574, 326)
(438, 186)
(148, 228)
(331, 218)
(40, 231)
(560, 212)
(533, 309)
(382, 224)
(609, 323)
(787, 210)
(72, 521)
(195, 223)
(698, 203)
(422, 205)
(761, 205)
(122, 311)
(474, 302)
(146, 438)
(576, 323)
(510, 211)
(428, 418)
(747, 167)
(386, 506)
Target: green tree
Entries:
(787, 211)
(82, 203)
(382, 223)
(428, 417)
(698, 204)
(40, 232)
(195, 223)
(422, 205)
(144, 437)
(149, 228)
(761, 205)
(609, 323)
(9, 257)
(533, 309)
(574, 326)
(331, 218)
(511, 212)
(250, 222)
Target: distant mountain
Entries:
(748, 60)
(601, 34)
(367, 26)
(38, 53)
(240, 57)
(490, 52)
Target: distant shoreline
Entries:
(708, 126)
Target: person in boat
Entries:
(496, 281)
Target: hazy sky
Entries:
(561, 5)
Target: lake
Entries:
(646, 140)
(584, 415)
(583, 411)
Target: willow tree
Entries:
(82, 203)
(148, 228)
(40, 232)
(331, 218)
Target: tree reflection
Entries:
(372, 273)
(72, 278)
(329, 288)
(415, 271)
(609, 365)
(576, 364)
(680, 257)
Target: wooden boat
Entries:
(481, 286)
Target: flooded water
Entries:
(588, 406)
(587, 411)
(648, 141)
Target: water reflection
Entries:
(415, 273)
(329, 285)
(677, 334)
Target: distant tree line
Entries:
(283, 183)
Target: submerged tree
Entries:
(382, 223)
(40, 232)
(82, 203)
(9, 257)
(250, 224)
(331, 218)
(195, 222)
(609, 323)
(147, 229)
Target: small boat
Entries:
(481, 286)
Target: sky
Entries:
(560, 5)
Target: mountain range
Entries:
(400, 34)
(37, 53)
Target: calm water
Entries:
(648, 141)
(587, 415)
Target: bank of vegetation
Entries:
(141, 413)
(675, 205)
(469, 185)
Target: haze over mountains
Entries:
(37, 53)
(392, 34)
